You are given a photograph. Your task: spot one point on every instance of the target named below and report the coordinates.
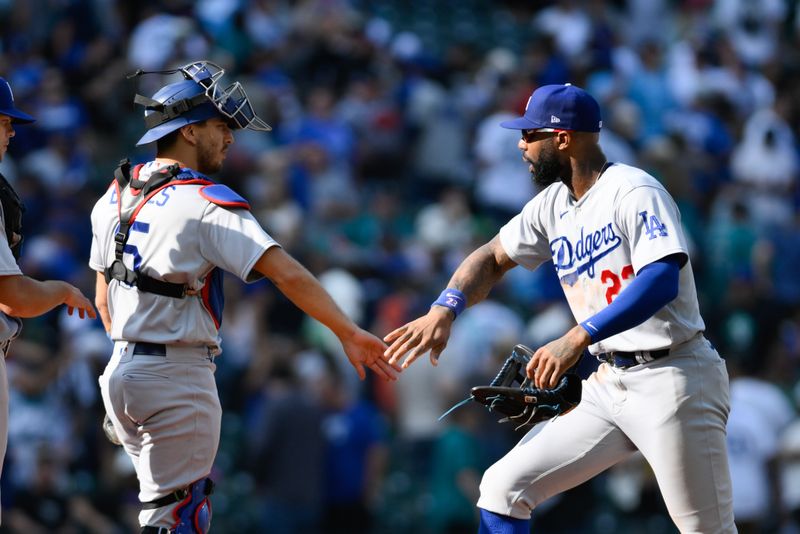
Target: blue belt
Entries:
(623, 360)
(149, 349)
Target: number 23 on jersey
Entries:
(614, 281)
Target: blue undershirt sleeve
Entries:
(655, 286)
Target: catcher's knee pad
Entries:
(192, 514)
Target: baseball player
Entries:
(21, 296)
(614, 235)
(162, 235)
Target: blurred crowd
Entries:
(385, 167)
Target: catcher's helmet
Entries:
(197, 98)
(173, 107)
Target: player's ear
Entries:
(563, 139)
(189, 133)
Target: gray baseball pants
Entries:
(166, 412)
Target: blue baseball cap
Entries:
(563, 107)
(7, 105)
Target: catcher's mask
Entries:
(196, 98)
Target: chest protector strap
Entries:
(132, 189)
(13, 208)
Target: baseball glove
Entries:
(108, 429)
(524, 404)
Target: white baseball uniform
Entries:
(10, 328)
(165, 407)
(673, 409)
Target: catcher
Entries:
(163, 233)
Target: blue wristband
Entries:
(452, 299)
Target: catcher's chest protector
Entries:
(132, 195)
(13, 208)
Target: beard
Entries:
(547, 169)
(208, 160)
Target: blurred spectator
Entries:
(175, 35)
(552, 20)
(776, 255)
(356, 454)
(39, 417)
(481, 339)
(621, 132)
(789, 470)
(457, 463)
(649, 89)
(502, 184)
(440, 137)
(376, 122)
(274, 207)
(49, 505)
(766, 163)
(731, 239)
(760, 413)
(286, 449)
(447, 223)
(752, 29)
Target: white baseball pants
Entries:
(674, 410)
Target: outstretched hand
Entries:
(364, 349)
(75, 300)
(427, 333)
(551, 361)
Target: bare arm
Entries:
(305, 291)
(101, 300)
(481, 270)
(475, 277)
(21, 296)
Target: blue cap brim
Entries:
(154, 134)
(520, 123)
(197, 114)
(20, 117)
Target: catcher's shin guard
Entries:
(192, 515)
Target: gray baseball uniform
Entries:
(673, 409)
(9, 329)
(159, 388)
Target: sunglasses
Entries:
(529, 135)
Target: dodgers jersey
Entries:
(180, 237)
(598, 244)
